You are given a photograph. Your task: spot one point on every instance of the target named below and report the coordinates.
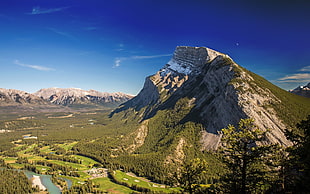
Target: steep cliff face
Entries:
(69, 96)
(218, 90)
(187, 62)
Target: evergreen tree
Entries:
(247, 159)
(12, 181)
(299, 158)
(191, 175)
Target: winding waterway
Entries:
(46, 181)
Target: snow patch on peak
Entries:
(175, 66)
(188, 60)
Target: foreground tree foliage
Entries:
(298, 166)
(12, 181)
(249, 162)
(191, 175)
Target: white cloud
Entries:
(62, 33)
(303, 76)
(36, 67)
(150, 56)
(117, 63)
(38, 10)
(120, 47)
(305, 69)
(297, 77)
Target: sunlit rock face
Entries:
(189, 60)
(15, 97)
(219, 92)
(68, 96)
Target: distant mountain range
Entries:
(62, 96)
(17, 97)
(302, 90)
(74, 96)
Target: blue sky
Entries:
(113, 45)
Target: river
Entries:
(46, 181)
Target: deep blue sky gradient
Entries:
(113, 45)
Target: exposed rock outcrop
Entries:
(17, 97)
(139, 137)
(220, 91)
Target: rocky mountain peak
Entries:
(69, 96)
(189, 60)
(13, 97)
(302, 90)
(47, 92)
(218, 92)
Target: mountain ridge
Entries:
(61, 96)
(219, 92)
(302, 90)
(69, 96)
(18, 97)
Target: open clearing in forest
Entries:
(84, 166)
(58, 138)
(142, 182)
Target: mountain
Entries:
(302, 90)
(17, 97)
(76, 96)
(205, 88)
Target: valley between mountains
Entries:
(150, 143)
